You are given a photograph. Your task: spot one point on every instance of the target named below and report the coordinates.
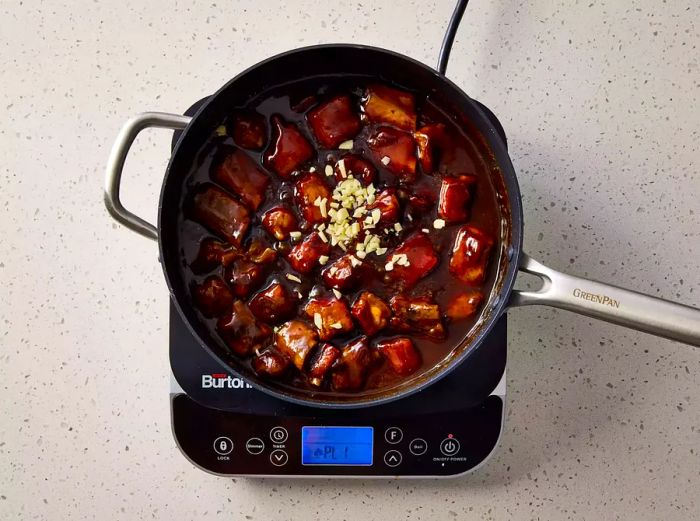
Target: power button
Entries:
(449, 446)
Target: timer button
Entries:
(223, 445)
(393, 435)
(255, 446)
(279, 457)
(418, 447)
(279, 435)
(449, 446)
(392, 458)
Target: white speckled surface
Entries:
(600, 100)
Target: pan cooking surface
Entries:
(293, 104)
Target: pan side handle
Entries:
(609, 303)
(115, 166)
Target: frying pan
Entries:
(594, 299)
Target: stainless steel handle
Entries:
(610, 303)
(115, 165)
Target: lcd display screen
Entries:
(337, 445)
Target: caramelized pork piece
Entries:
(212, 297)
(402, 355)
(418, 315)
(273, 304)
(322, 360)
(421, 201)
(350, 371)
(334, 121)
(220, 213)
(249, 130)
(394, 107)
(212, 254)
(471, 254)
(356, 166)
(270, 364)
(309, 192)
(456, 197)
(260, 252)
(396, 150)
(304, 256)
(244, 277)
(330, 315)
(241, 332)
(371, 313)
(288, 150)
(343, 275)
(241, 175)
(279, 221)
(464, 304)
(430, 139)
(417, 251)
(388, 205)
(296, 339)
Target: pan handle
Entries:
(610, 303)
(115, 166)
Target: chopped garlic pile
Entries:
(349, 215)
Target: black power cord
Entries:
(449, 38)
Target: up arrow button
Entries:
(392, 458)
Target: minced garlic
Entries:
(349, 217)
(341, 169)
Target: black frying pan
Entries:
(590, 298)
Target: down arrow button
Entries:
(279, 458)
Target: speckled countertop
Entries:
(600, 101)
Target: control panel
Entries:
(433, 444)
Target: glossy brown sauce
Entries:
(466, 156)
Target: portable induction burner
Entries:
(226, 427)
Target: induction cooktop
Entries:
(226, 427)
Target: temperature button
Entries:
(449, 446)
(223, 445)
(393, 435)
(279, 435)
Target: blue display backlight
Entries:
(336, 445)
